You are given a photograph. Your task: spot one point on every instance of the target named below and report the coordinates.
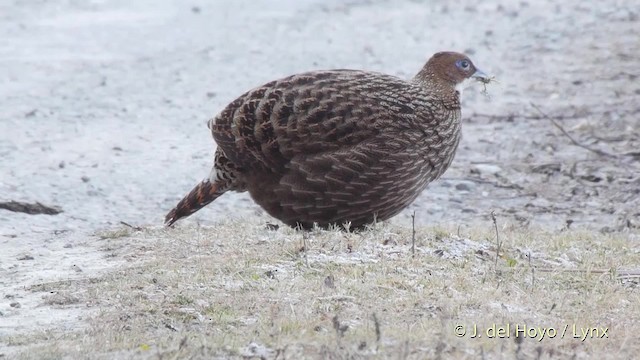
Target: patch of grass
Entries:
(51, 286)
(237, 290)
(182, 300)
(61, 298)
(115, 234)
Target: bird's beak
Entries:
(481, 76)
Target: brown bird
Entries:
(337, 146)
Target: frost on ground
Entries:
(103, 114)
(242, 290)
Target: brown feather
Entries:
(201, 195)
(337, 146)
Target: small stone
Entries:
(329, 282)
(389, 241)
(85, 178)
(487, 168)
(272, 227)
(15, 305)
(445, 183)
(541, 203)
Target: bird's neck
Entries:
(442, 88)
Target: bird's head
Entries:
(449, 71)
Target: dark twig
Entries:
(339, 328)
(136, 228)
(30, 208)
(573, 140)
(512, 117)
(620, 273)
(498, 243)
(413, 234)
(305, 248)
(376, 323)
(183, 343)
(485, 181)
(533, 272)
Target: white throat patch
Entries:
(465, 84)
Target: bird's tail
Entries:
(201, 195)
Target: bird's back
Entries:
(315, 112)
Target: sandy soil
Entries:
(104, 106)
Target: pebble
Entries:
(464, 186)
(487, 168)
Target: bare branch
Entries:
(498, 243)
(573, 140)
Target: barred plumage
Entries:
(337, 146)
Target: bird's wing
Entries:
(377, 175)
(310, 113)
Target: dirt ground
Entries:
(104, 105)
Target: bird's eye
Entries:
(463, 64)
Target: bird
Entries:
(337, 147)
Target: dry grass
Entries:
(238, 290)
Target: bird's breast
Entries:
(437, 141)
